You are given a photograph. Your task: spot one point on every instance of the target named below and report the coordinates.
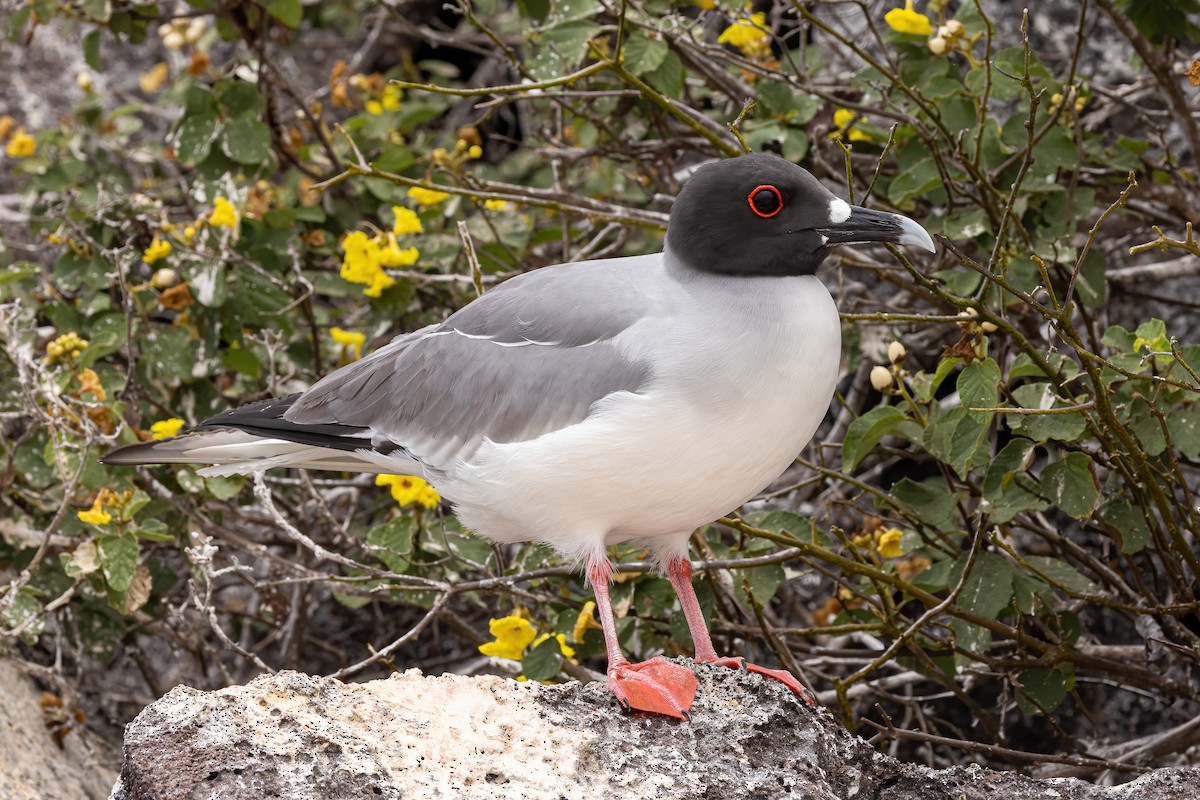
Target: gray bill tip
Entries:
(913, 234)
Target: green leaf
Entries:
(570, 38)
(106, 335)
(91, 50)
(989, 588)
(668, 77)
(137, 502)
(1127, 523)
(867, 431)
(1060, 572)
(971, 637)
(1008, 488)
(224, 488)
(538, 10)
(979, 387)
(247, 140)
(23, 607)
(154, 530)
(929, 500)
(289, 12)
(392, 542)
(1092, 284)
(242, 97)
(118, 560)
(1040, 690)
(643, 54)
(194, 138)
(542, 662)
(241, 360)
(955, 438)
(1031, 593)
(1184, 427)
(915, 181)
(1146, 427)
(1071, 485)
(926, 385)
(1044, 427)
(763, 582)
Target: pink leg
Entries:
(657, 685)
(679, 571)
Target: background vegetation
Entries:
(988, 554)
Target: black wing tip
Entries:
(132, 455)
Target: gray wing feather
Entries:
(529, 357)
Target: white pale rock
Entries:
(295, 736)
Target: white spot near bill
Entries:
(839, 210)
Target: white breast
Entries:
(744, 372)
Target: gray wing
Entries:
(529, 357)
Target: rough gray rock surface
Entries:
(295, 736)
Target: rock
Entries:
(291, 735)
(34, 765)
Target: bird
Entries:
(629, 399)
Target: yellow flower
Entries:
(360, 261)
(166, 428)
(20, 144)
(392, 255)
(349, 340)
(905, 20)
(373, 107)
(497, 205)
(844, 119)
(889, 543)
(96, 515)
(475, 151)
(563, 647)
(408, 489)
(513, 634)
(66, 347)
(158, 249)
(223, 215)
(380, 281)
(426, 197)
(391, 98)
(748, 35)
(584, 621)
(429, 497)
(406, 222)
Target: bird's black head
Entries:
(761, 215)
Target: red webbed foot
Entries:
(783, 676)
(657, 686)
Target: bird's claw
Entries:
(656, 686)
(783, 676)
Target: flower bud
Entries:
(937, 45)
(987, 327)
(173, 40)
(881, 378)
(164, 278)
(84, 81)
(954, 29)
(896, 352)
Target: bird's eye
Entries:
(765, 200)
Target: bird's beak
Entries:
(864, 225)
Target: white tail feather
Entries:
(231, 452)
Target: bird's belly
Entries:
(708, 435)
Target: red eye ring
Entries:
(754, 193)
